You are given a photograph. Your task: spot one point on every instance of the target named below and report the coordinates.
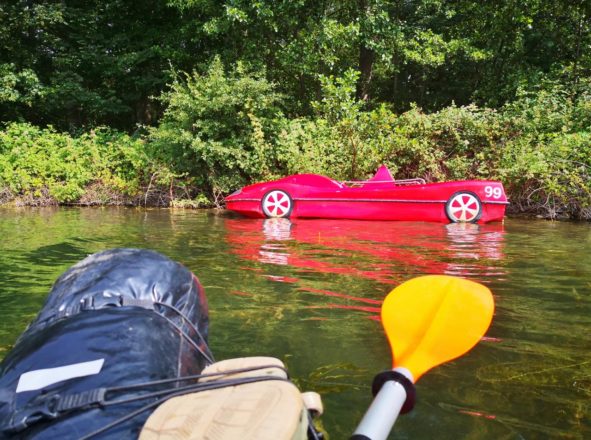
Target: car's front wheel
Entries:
(463, 207)
(277, 203)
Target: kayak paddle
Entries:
(428, 320)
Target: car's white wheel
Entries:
(463, 207)
(277, 203)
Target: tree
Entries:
(85, 63)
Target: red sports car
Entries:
(379, 198)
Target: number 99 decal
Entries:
(493, 191)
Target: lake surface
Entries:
(309, 293)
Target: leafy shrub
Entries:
(37, 162)
(218, 128)
(547, 160)
(348, 143)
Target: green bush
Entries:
(546, 162)
(348, 143)
(218, 128)
(37, 163)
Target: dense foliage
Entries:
(221, 93)
(216, 128)
(44, 166)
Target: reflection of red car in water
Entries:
(380, 198)
(384, 252)
(377, 251)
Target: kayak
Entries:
(122, 336)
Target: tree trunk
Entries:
(366, 56)
(366, 60)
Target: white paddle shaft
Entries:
(383, 411)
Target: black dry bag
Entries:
(115, 332)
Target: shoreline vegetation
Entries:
(537, 146)
(178, 103)
(214, 138)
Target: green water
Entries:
(308, 292)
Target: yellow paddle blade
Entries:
(432, 319)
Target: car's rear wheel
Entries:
(463, 207)
(277, 204)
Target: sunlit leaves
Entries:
(19, 86)
(42, 163)
(217, 126)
